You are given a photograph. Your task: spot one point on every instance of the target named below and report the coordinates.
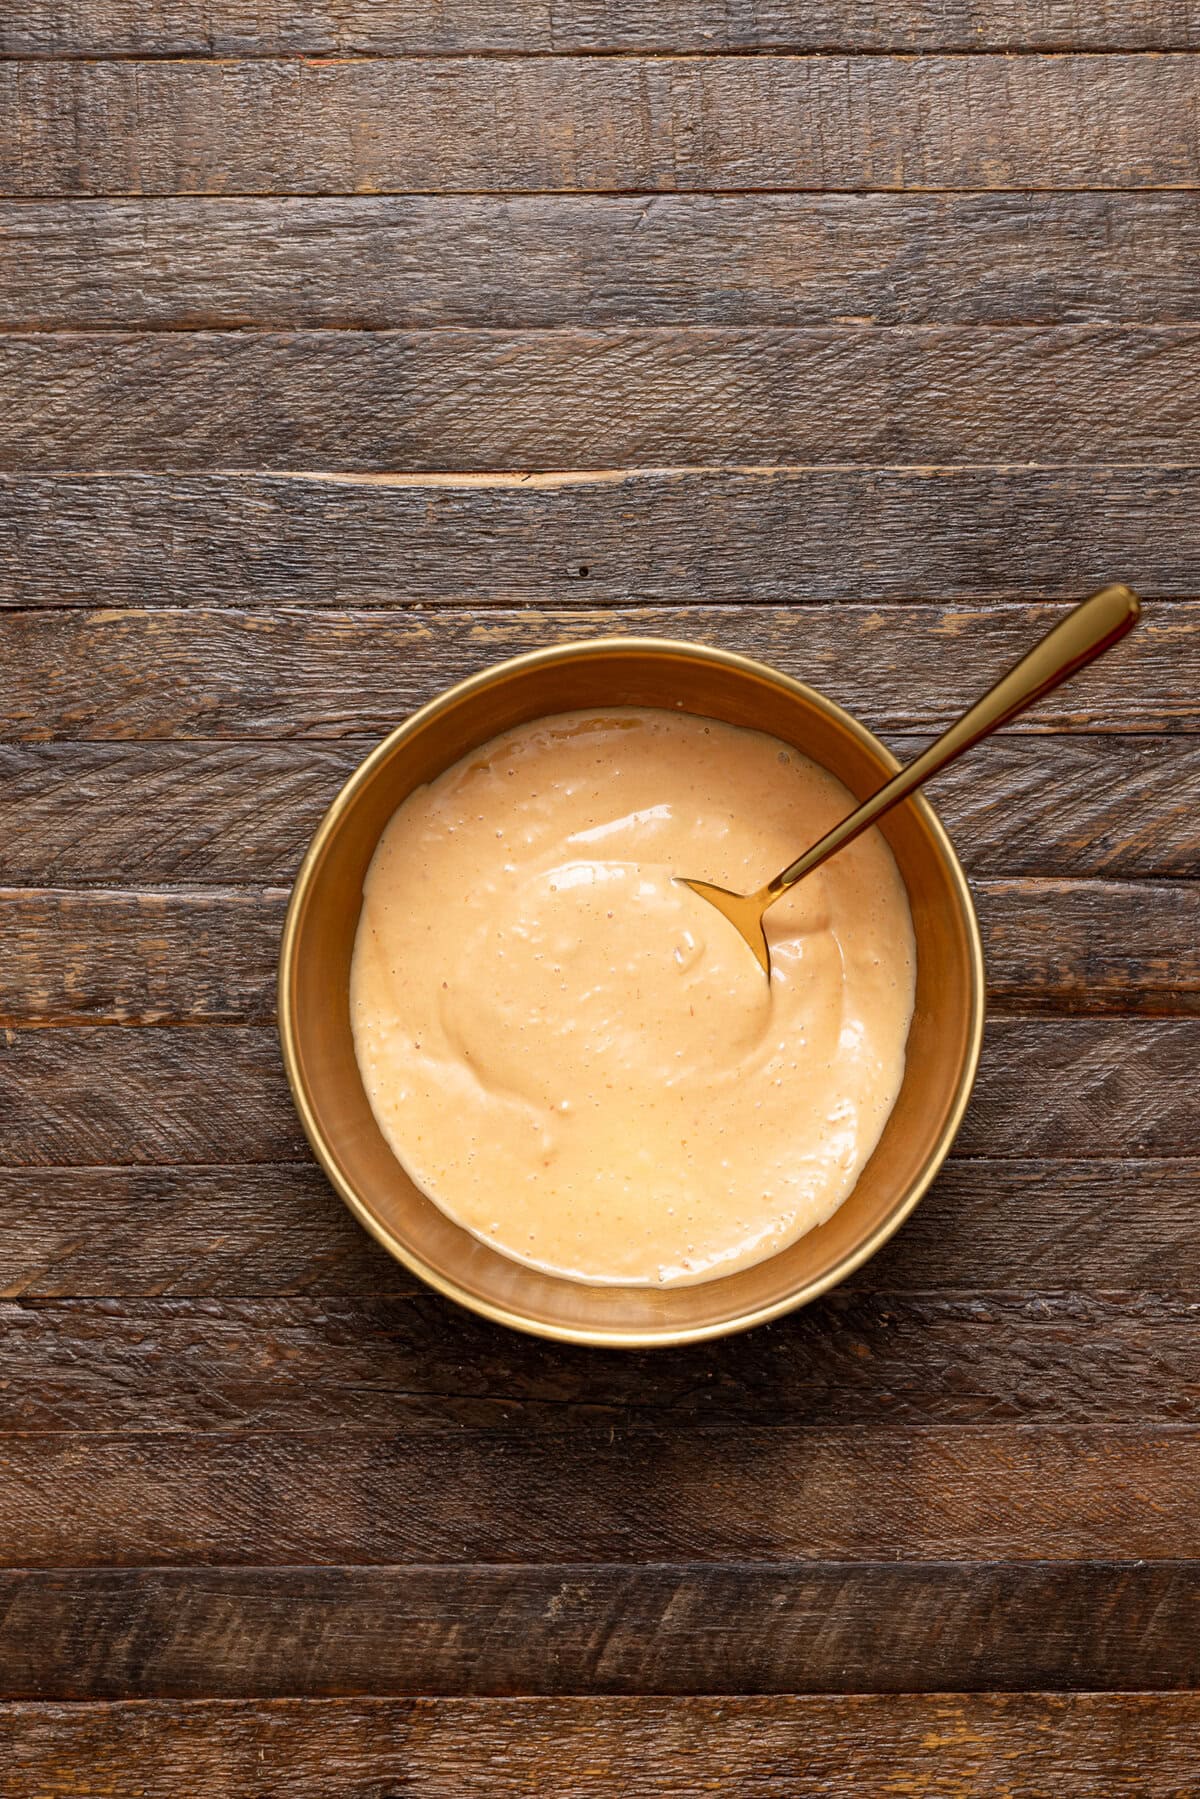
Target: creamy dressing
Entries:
(579, 1059)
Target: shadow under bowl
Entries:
(314, 1007)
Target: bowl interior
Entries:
(319, 941)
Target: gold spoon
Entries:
(1084, 634)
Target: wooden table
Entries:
(347, 347)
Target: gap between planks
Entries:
(136, 196)
(534, 479)
(779, 52)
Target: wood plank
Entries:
(110, 1097)
(245, 1230)
(1091, 947)
(1042, 806)
(521, 124)
(408, 1363)
(362, 27)
(944, 1746)
(452, 400)
(244, 812)
(69, 957)
(729, 1496)
(986, 1226)
(768, 536)
(1107, 1083)
(1050, 1224)
(568, 260)
(793, 1628)
(98, 1096)
(112, 675)
(139, 958)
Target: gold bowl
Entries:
(314, 1007)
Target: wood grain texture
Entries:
(565, 260)
(1083, 947)
(742, 1628)
(220, 1230)
(115, 814)
(1110, 1084)
(940, 1746)
(112, 1097)
(92, 1095)
(457, 400)
(676, 536)
(513, 124)
(739, 1495)
(223, 1231)
(139, 958)
(410, 1363)
(69, 957)
(341, 27)
(196, 673)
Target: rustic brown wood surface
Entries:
(347, 348)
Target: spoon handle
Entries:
(1084, 634)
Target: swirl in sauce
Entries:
(575, 1056)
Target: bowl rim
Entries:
(597, 1337)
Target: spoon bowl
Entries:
(744, 912)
